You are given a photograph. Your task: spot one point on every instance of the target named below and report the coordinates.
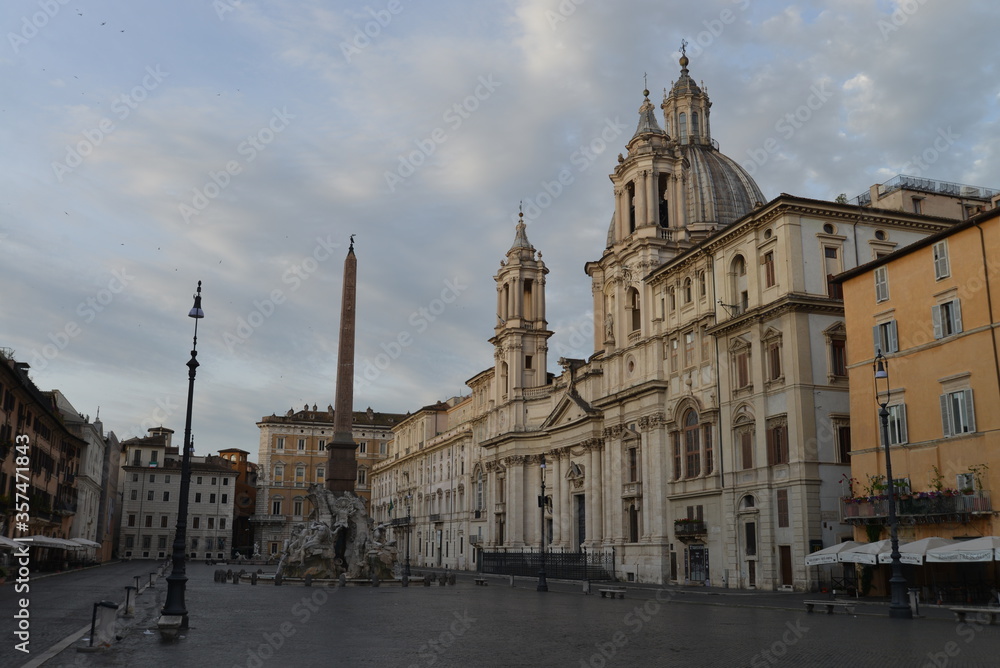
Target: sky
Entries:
(146, 147)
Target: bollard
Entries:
(137, 590)
(277, 579)
(342, 580)
(151, 579)
(308, 580)
(406, 581)
(253, 578)
(129, 600)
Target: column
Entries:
(645, 512)
(652, 198)
(555, 483)
(640, 200)
(596, 520)
(515, 501)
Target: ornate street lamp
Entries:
(177, 580)
(542, 584)
(898, 607)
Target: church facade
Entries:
(706, 438)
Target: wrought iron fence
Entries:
(584, 565)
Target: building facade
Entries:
(705, 439)
(151, 475)
(293, 455)
(51, 454)
(931, 310)
(246, 498)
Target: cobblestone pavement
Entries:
(470, 626)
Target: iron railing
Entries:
(917, 508)
(584, 565)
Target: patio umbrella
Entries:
(828, 555)
(868, 553)
(85, 542)
(913, 553)
(978, 549)
(8, 544)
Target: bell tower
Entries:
(521, 332)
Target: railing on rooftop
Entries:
(916, 183)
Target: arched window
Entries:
(682, 123)
(687, 291)
(480, 490)
(630, 196)
(694, 124)
(740, 294)
(692, 444)
(633, 524)
(634, 305)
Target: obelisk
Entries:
(342, 467)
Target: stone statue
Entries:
(339, 540)
(609, 327)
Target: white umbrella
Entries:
(8, 544)
(913, 553)
(828, 555)
(85, 542)
(978, 549)
(49, 541)
(868, 553)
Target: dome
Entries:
(718, 190)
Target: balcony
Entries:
(435, 517)
(631, 490)
(500, 508)
(918, 508)
(267, 519)
(688, 529)
(400, 521)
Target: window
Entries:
(197, 497)
(163, 521)
(740, 294)
(897, 424)
(137, 458)
(480, 489)
(166, 496)
(688, 348)
(225, 482)
(222, 523)
(211, 522)
(777, 443)
(135, 477)
(320, 474)
(957, 414)
(947, 318)
(211, 498)
(843, 443)
(129, 541)
(131, 520)
(161, 542)
(215, 481)
(633, 465)
(746, 448)
(886, 337)
(198, 479)
(166, 479)
(382, 448)
(363, 447)
(225, 498)
(300, 474)
(152, 477)
(782, 507)
(881, 284)
(322, 445)
(941, 266)
(683, 127)
(279, 472)
(527, 361)
(674, 346)
(702, 284)
(280, 443)
(688, 291)
(838, 357)
(276, 507)
(149, 495)
(302, 444)
(673, 298)
(768, 262)
(635, 309)
(146, 540)
(916, 204)
(692, 445)
(742, 361)
(774, 360)
(751, 538)
(831, 263)
(196, 522)
(706, 344)
(134, 495)
(362, 476)
(297, 507)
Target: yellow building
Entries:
(933, 309)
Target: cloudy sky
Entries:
(147, 146)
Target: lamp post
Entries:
(406, 568)
(542, 584)
(898, 607)
(177, 580)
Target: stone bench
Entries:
(482, 582)
(612, 592)
(960, 613)
(848, 606)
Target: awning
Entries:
(828, 555)
(868, 553)
(978, 549)
(85, 542)
(914, 553)
(49, 541)
(8, 544)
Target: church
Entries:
(707, 438)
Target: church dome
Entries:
(719, 190)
